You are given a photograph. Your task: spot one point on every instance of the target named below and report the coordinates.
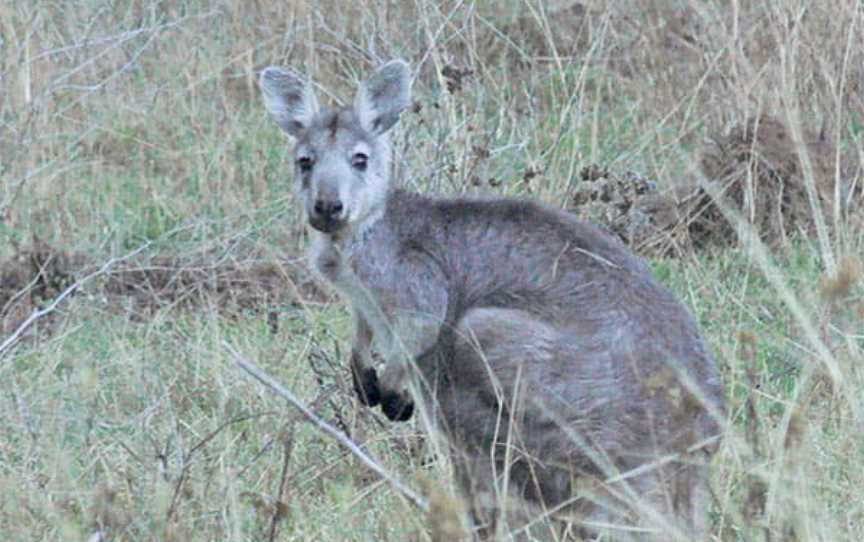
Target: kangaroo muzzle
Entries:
(327, 215)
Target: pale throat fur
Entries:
(331, 255)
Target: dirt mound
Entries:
(30, 278)
(757, 171)
(560, 31)
(246, 284)
(758, 168)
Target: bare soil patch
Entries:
(34, 276)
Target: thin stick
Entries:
(40, 313)
(346, 442)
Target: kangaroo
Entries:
(566, 378)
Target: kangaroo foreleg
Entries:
(363, 373)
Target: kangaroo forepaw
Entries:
(366, 386)
(396, 407)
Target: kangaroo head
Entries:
(341, 156)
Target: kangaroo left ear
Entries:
(383, 96)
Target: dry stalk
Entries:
(187, 462)
(279, 508)
(274, 386)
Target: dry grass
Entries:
(138, 121)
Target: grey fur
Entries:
(543, 349)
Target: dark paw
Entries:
(366, 386)
(396, 407)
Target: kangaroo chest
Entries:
(402, 299)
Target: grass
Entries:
(128, 122)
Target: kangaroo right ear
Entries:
(289, 99)
(383, 96)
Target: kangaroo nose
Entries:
(329, 209)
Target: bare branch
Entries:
(287, 450)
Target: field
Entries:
(147, 220)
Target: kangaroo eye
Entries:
(359, 161)
(305, 164)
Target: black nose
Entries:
(328, 209)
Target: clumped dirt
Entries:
(630, 206)
(756, 170)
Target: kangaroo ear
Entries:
(289, 99)
(383, 96)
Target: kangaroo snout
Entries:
(327, 215)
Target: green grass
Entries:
(119, 407)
